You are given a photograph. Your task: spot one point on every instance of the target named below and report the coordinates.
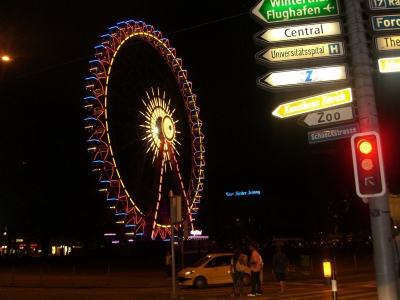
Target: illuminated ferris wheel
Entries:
(145, 132)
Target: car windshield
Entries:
(201, 261)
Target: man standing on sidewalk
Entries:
(255, 266)
(280, 263)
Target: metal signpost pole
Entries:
(368, 119)
(173, 261)
(182, 255)
(172, 210)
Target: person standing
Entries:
(261, 270)
(280, 263)
(237, 273)
(396, 251)
(168, 265)
(255, 267)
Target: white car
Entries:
(212, 269)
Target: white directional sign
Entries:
(387, 43)
(297, 53)
(325, 117)
(313, 103)
(309, 76)
(389, 65)
(298, 32)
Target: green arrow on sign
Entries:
(273, 11)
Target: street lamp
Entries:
(327, 272)
(172, 203)
(5, 58)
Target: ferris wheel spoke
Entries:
(156, 195)
(180, 185)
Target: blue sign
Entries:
(243, 193)
(336, 133)
(383, 4)
(385, 22)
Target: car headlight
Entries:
(189, 272)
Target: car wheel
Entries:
(200, 282)
(246, 279)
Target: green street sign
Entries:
(274, 11)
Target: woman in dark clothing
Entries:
(237, 275)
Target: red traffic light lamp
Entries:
(368, 164)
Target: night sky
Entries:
(42, 89)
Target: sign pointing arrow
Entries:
(326, 117)
(308, 76)
(298, 32)
(388, 65)
(385, 22)
(387, 43)
(383, 5)
(333, 50)
(317, 102)
(273, 11)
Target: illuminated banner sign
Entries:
(384, 4)
(389, 65)
(243, 193)
(385, 22)
(336, 133)
(387, 43)
(317, 102)
(273, 11)
(309, 76)
(296, 53)
(298, 32)
(196, 232)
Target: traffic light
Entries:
(368, 164)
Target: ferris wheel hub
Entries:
(168, 128)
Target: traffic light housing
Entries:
(368, 164)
